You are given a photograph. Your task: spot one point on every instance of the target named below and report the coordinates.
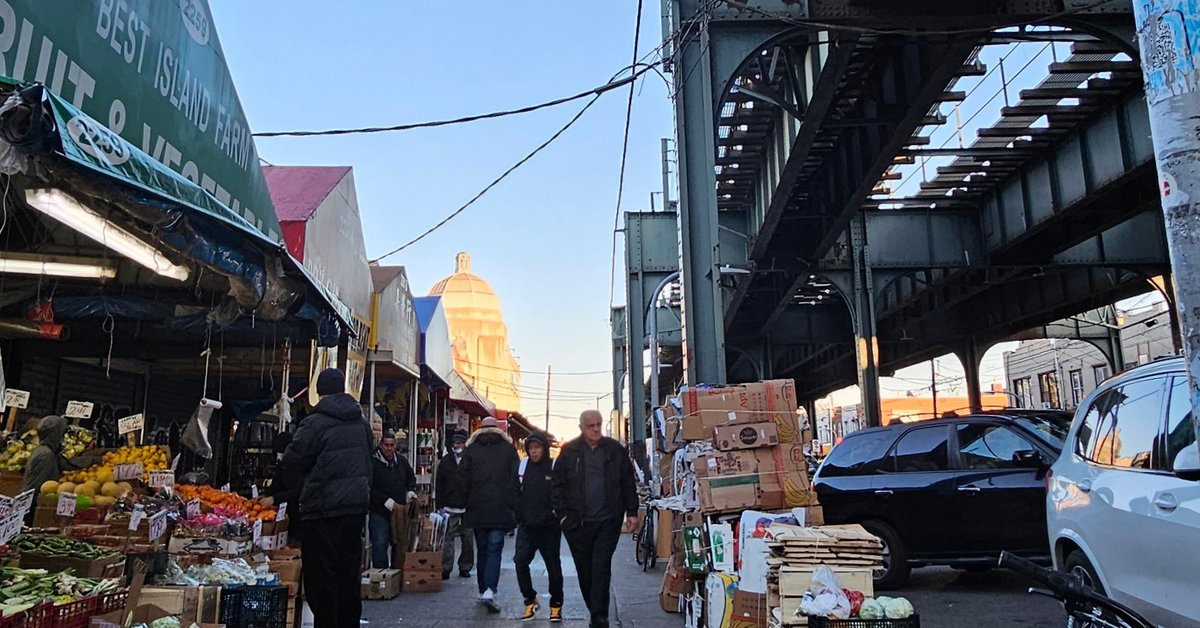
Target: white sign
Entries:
(269, 542)
(282, 536)
(253, 491)
(6, 505)
(131, 424)
(128, 471)
(78, 410)
(10, 526)
(162, 479)
(14, 398)
(66, 505)
(225, 488)
(257, 530)
(158, 524)
(193, 509)
(281, 512)
(135, 518)
(24, 501)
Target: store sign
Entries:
(14, 398)
(162, 479)
(148, 74)
(129, 471)
(193, 508)
(158, 524)
(78, 410)
(129, 424)
(66, 505)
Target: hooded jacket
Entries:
(488, 472)
(533, 503)
(46, 462)
(332, 451)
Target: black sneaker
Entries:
(445, 575)
(465, 573)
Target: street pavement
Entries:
(945, 598)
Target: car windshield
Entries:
(1052, 428)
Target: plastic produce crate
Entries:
(77, 614)
(254, 607)
(822, 622)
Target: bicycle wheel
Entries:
(648, 541)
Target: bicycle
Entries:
(1086, 608)
(645, 540)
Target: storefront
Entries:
(394, 370)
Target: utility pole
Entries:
(547, 398)
(1172, 86)
(933, 384)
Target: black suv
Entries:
(950, 491)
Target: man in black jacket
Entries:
(332, 451)
(592, 492)
(538, 530)
(489, 473)
(451, 499)
(392, 485)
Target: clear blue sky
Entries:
(543, 237)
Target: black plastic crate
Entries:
(822, 622)
(254, 607)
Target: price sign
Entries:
(162, 479)
(281, 512)
(14, 398)
(136, 517)
(282, 539)
(269, 542)
(257, 530)
(66, 505)
(193, 509)
(78, 410)
(131, 424)
(158, 524)
(128, 471)
(225, 488)
(6, 505)
(253, 491)
(10, 526)
(25, 501)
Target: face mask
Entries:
(458, 451)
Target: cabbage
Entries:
(898, 608)
(871, 609)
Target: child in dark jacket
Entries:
(538, 529)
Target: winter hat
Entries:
(537, 436)
(488, 422)
(331, 382)
(458, 436)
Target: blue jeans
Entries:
(489, 548)
(381, 541)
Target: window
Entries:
(922, 449)
(1048, 383)
(983, 446)
(1101, 373)
(857, 452)
(1076, 388)
(1121, 426)
(1021, 391)
(1180, 432)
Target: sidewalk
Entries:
(634, 599)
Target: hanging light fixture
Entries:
(12, 263)
(65, 209)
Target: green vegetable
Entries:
(898, 608)
(58, 547)
(871, 609)
(21, 589)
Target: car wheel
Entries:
(895, 560)
(1078, 564)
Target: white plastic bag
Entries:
(825, 597)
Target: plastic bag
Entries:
(825, 597)
(194, 439)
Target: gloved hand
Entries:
(390, 504)
(412, 495)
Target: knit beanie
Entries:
(331, 382)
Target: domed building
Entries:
(479, 336)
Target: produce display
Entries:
(226, 504)
(91, 492)
(22, 589)
(59, 547)
(152, 458)
(17, 453)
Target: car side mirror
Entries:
(1187, 463)
(1029, 458)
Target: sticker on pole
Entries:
(79, 410)
(66, 505)
(14, 398)
(136, 517)
(128, 471)
(193, 509)
(158, 524)
(162, 479)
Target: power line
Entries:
(612, 275)
(525, 372)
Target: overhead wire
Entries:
(637, 35)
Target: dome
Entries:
(465, 289)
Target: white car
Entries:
(1123, 499)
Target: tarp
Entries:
(394, 326)
(435, 337)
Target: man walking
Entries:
(392, 485)
(451, 499)
(592, 491)
(489, 472)
(332, 451)
(538, 530)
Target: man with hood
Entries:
(47, 462)
(451, 496)
(332, 451)
(489, 473)
(538, 530)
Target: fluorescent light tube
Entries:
(55, 267)
(65, 209)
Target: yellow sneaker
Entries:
(531, 611)
(555, 614)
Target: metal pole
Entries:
(652, 333)
(1172, 79)
(933, 383)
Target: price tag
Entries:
(225, 488)
(253, 491)
(66, 505)
(257, 530)
(78, 410)
(269, 542)
(281, 512)
(128, 471)
(158, 524)
(193, 509)
(130, 424)
(14, 398)
(162, 479)
(10, 526)
(135, 518)
(6, 505)
(282, 539)
(25, 501)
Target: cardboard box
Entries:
(192, 605)
(794, 581)
(673, 438)
(814, 516)
(422, 582)
(728, 481)
(423, 562)
(288, 570)
(695, 548)
(676, 583)
(382, 584)
(749, 609)
(210, 547)
(665, 527)
(758, 402)
(785, 482)
(751, 436)
(108, 567)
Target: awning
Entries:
(436, 354)
(465, 395)
(185, 216)
(395, 334)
